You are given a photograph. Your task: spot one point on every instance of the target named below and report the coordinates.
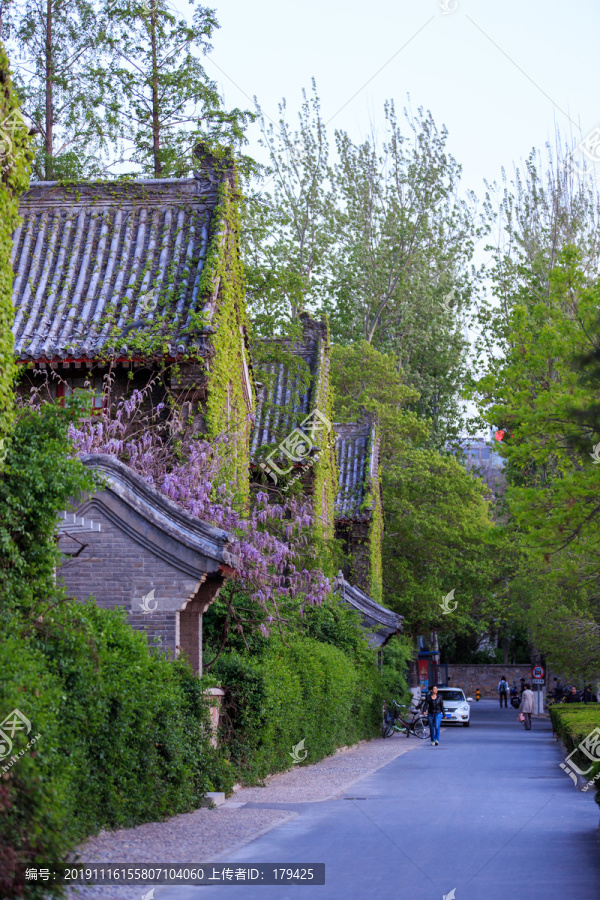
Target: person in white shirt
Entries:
(527, 706)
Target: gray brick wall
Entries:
(116, 571)
(486, 678)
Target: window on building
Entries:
(71, 385)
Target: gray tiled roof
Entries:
(86, 254)
(379, 622)
(157, 522)
(358, 459)
(287, 398)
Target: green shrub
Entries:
(35, 787)
(572, 723)
(307, 691)
(125, 735)
(134, 722)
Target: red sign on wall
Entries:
(423, 673)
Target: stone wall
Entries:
(486, 678)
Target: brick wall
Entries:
(486, 678)
(117, 571)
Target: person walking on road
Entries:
(503, 692)
(435, 710)
(527, 706)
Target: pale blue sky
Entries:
(499, 75)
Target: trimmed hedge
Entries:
(572, 723)
(308, 691)
(124, 736)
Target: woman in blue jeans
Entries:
(435, 710)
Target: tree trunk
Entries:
(155, 121)
(413, 673)
(49, 136)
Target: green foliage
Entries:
(540, 394)
(377, 242)
(227, 408)
(56, 51)
(573, 723)
(14, 166)
(35, 796)
(134, 720)
(334, 622)
(163, 100)
(438, 532)
(124, 733)
(40, 479)
(286, 234)
(307, 691)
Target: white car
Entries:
(456, 704)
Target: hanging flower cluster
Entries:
(271, 537)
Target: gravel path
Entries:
(206, 835)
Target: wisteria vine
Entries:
(271, 537)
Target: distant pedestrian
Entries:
(522, 688)
(527, 705)
(503, 692)
(587, 694)
(572, 696)
(435, 710)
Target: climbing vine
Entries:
(231, 392)
(15, 162)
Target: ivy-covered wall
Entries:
(375, 540)
(15, 162)
(230, 393)
(325, 469)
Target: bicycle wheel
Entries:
(421, 729)
(387, 730)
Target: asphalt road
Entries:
(488, 814)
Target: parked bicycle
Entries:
(405, 720)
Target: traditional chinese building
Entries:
(380, 624)
(129, 546)
(139, 281)
(358, 509)
(337, 465)
(292, 438)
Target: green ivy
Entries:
(372, 501)
(227, 410)
(14, 179)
